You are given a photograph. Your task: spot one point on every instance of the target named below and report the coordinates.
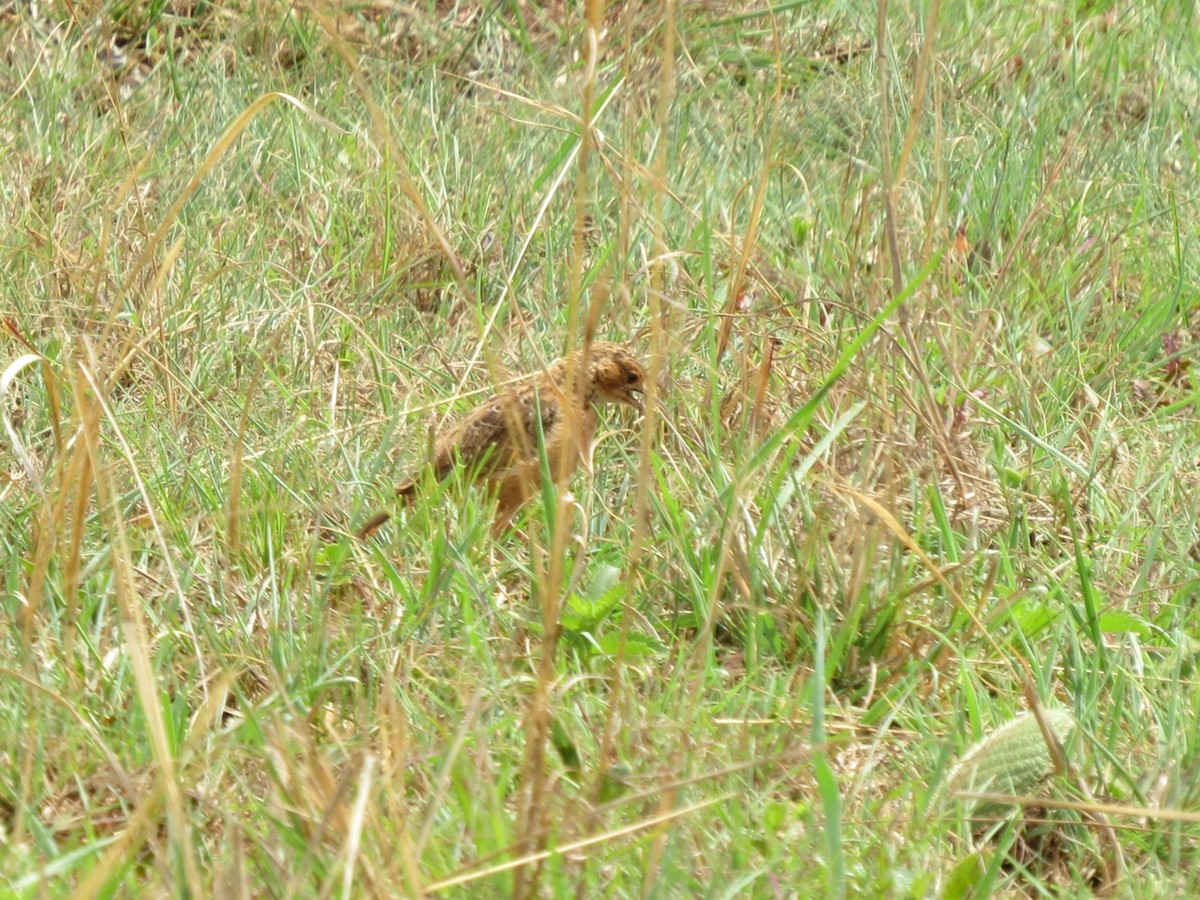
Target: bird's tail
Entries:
(372, 525)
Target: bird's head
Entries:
(613, 375)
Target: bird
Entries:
(497, 441)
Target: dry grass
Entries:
(915, 294)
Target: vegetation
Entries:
(916, 285)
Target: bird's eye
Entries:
(631, 377)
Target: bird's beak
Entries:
(635, 401)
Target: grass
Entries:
(916, 285)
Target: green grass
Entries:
(922, 452)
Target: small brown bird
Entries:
(497, 441)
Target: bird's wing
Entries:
(499, 433)
(495, 436)
(478, 443)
